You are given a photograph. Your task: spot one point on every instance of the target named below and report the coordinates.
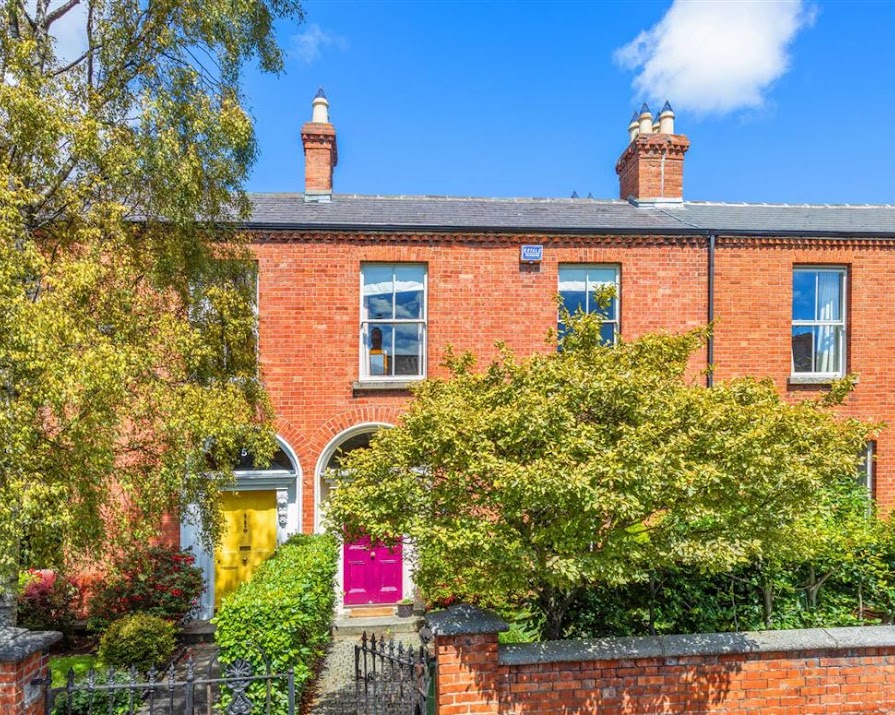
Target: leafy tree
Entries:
(127, 368)
(593, 464)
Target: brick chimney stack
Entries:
(321, 154)
(651, 169)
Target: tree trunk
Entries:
(733, 602)
(9, 574)
(767, 599)
(554, 605)
(653, 593)
(814, 584)
(860, 601)
(8, 603)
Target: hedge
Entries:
(284, 614)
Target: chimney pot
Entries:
(634, 127)
(666, 120)
(320, 108)
(646, 120)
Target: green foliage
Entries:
(524, 627)
(160, 580)
(128, 378)
(138, 640)
(283, 613)
(47, 601)
(595, 464)
(84, 702)
(60, 666)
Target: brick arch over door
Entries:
(326, 435)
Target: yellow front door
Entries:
(250, 536)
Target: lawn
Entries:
(60, 665)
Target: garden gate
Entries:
(392, 679)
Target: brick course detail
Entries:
(479, 293)
(822, 681)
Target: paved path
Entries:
(336, 694)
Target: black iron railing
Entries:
(237, 691)
(391, 678)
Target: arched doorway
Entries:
(261, 510)
(369, 574)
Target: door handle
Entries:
(372, 554)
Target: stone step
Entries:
(346, 627)
(196, 632)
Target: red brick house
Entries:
(358, 295)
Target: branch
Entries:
(28, 18)
(76, 62)
(59, 12)
(63, 175)
(90, 44)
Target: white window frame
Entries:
(366, 324)
(842, 322)
(616, 321)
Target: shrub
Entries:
(47, 601)
(83, 702)
(141, 640)
(284, 613)
(161, 581)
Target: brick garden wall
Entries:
(840, 670)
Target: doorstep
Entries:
(370, 611)
(197, 632)
(356, 625)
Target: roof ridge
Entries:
(445, 197)
(765, 204)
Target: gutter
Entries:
(553, 231)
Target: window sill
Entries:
(814, 379)
(384, 385)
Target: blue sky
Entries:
(783, 102)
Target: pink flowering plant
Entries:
(161, 581)
(47, 600)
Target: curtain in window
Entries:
(828, 308)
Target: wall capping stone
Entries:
(18, 643)
(465, 620)
(699, 644)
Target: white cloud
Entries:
(714, 57)
(308, 45)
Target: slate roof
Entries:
(380, 213)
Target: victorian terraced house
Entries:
(358, 295)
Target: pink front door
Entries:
(372, 573)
